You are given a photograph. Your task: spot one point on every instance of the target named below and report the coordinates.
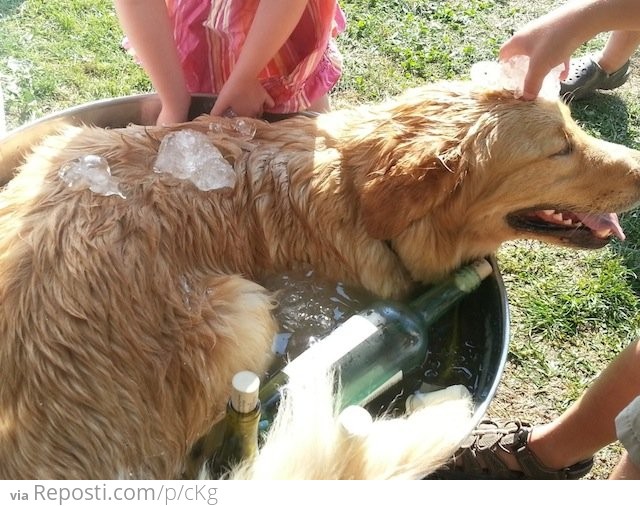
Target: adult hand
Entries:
(242, 97)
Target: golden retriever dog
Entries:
(123, 320)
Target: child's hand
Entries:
(242, 97)
(174, 110)
(549, 41)
(168, 117)
(543, 56)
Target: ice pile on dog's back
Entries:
(188, 154)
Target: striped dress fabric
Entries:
(210, 36)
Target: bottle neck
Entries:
(436, 301)
(242, 423)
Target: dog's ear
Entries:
(406, 190)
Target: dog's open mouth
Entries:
(584, 230)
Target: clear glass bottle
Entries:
(240, 434)
(376, 348)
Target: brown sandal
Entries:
(478, 457)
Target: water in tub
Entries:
(309, 308)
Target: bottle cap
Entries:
(482, 267)
(244, 394)
(355, 421)
(469, 277)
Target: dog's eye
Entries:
(567, 149)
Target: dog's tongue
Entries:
(603, 224)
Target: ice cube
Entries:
(189, 154)
(244, 128)
(92, 172)
(510, 75)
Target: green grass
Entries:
(56, 54)
(390, 45)
(567, 305)
(572, 311)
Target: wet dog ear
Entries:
(393, 198)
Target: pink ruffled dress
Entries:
(210, 35)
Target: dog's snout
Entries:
(623, 160)
(635, 156)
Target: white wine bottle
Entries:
(376, 348)
(240, 435)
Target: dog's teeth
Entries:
(558, 216)
(548, 212)
(568, 222)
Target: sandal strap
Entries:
(479, 455)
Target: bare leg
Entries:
(625, 469)
(619, 48)
(589, 424)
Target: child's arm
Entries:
(274, 22)
(146, 24)
(551, 39)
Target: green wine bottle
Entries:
(376, 348)
(240, 436)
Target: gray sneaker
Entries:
(586, 76)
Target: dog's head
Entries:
(452, 171)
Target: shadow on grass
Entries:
(606, 117)
(9, 6)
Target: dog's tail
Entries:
(310, 440)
